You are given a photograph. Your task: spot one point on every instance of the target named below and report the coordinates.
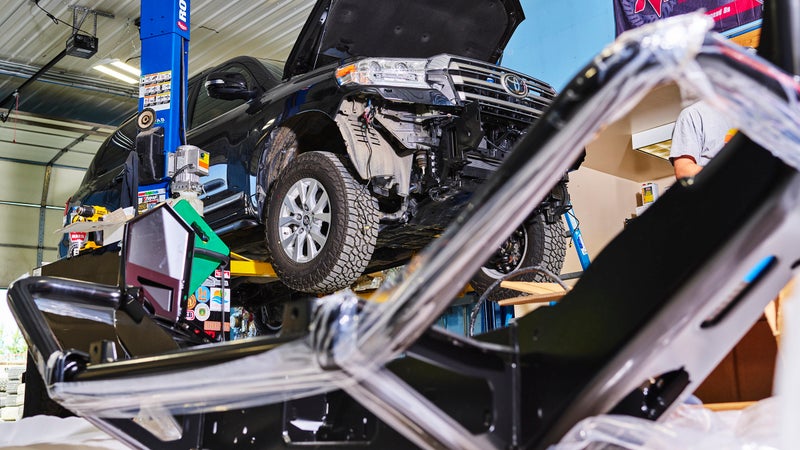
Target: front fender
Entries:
(273, 159)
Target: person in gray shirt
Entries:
(700, 133)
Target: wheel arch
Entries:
(545, 246)
(309, 131)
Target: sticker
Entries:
(219, 298)
(214, 325)
(190, 315)
(202, 312)
(213, 280)
(151, 198)
(155, 90)
(204, 162)
(203, 294)
(192, 302)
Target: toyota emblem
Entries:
(514, 85)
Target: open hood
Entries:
(341, 29)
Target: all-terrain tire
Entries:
(321, 224)
(544, 245)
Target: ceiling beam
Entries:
(70, 79)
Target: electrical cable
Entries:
(56, 20)
(14, 141)
(368, 115)
(183, 97)
(473, 316)
(181, 110)
(571, 212)
(182, 169)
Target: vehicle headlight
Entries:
(384, 72)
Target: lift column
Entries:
(164, 32)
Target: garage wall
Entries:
(602, 202)
(27, 223)
(21, 182)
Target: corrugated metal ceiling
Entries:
(73, 91)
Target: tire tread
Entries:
(357, 243)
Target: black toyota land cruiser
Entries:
(365, 145)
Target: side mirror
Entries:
(228, 86)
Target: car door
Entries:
(227, 130)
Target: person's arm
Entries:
(687, 143)
(685, 166)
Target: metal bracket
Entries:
(80, 13)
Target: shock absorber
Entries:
(421, 160)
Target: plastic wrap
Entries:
(87, 312)
(349, 345)
(688, 427)
(679, 49)
(69, 433)
(292, 370)
(788, 369)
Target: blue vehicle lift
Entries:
(164, 32)
(577, 237)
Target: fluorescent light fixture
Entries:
(127, 68)
(659, 150)
(655, 141)
(103, 66)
